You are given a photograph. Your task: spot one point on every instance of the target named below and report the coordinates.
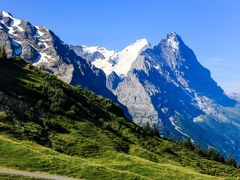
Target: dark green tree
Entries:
(3, 54)
(188, 143)
(155, 132)
(230, 161)
(147, 128)
(213, 154)
(197, 149)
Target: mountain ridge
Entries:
(167, 87)
(119, 62)
(43, 48)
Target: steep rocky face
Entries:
(169, 88)
(182, 66)
(43, 48)
(173, 78)
(166, 86)
(113, 81)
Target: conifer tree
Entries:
(188, 144)
(230, 161)
(3, 54)
(155, 132)
(147, 128)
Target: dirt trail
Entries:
(34, 175)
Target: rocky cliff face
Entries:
(43, 48)
(175, 83)
(167, 87)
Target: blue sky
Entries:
(210, 27)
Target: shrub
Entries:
(3, 115)
(57, 98)
(168, 150)
(72, 111)
(188, 144)
(33, 131)
(54, 125)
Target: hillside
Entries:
(49, 126)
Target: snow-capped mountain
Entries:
(167, 86)
(40, 46)
(109, 60)
(93, 53)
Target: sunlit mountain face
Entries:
(166, 86)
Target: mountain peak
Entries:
(6, 14)
(173, 40)
(109, 60)
(123, 60)
(173, 34)
(12, 25)
(140, 43)
(143, 41)
(92, 49)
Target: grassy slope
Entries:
(30, 156)
(47, 125)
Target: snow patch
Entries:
(104, 65)
(198, 119)
(172, 41)
(105, 52)
(171, 119)
(164, 110)
(127, 56)
(211, 109)
(157, 67)
(15, 25)
(16, 43)
(38, 33)
(120, 62)
(42, 58)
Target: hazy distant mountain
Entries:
(166, 86)
(235, 96)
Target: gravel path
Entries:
(34, 175)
